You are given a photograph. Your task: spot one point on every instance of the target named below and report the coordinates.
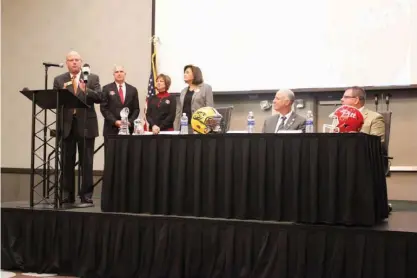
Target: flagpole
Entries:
(153, 75)
(155, 40)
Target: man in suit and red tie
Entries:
(80, 128)
(116, 96)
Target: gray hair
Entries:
(73, 53)
(115, 67)
(288, 93)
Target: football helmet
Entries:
(346, 119)
(206, 120)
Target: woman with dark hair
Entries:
(196, 95)
(160, 113)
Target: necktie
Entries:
(121, 94)
(282, 124)
(74, 84)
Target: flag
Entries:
(151, 87)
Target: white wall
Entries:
(104, 32)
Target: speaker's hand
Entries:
(82, 86)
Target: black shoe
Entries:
(68, 198)
(68, 201)
(86, 202)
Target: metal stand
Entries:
(55, 101)
(81, 161)
(40, 164)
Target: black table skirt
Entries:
(93, 245)
(310, 178)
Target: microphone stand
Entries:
(85, 80)
(45, 190)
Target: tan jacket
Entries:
(374, 123)
(202, 97)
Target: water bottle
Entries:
(309, 122)
(184, 124)
(251, 122)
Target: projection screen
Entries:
(268, 44)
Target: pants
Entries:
(70, 144)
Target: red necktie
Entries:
(121, 94)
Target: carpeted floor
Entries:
(403, 205)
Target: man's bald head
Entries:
(74, 61)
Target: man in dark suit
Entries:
(286, 119)
(80, 126)
(116, 96)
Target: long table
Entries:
(308, 178)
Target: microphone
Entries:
(85, 72)
(387, 97)
(46, 64)
(376, 102)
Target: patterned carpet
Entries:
(8, 274)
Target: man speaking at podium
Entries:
(80, 125)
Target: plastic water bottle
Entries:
(251, 122)
(309, 122)
(184, 124)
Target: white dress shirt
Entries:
(123, 89)
(280, 120)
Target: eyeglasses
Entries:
(349, 97)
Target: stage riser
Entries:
(117, 245)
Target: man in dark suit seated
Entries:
(80, 125)
(116, 96)
(286, 119)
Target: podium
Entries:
(54, 100)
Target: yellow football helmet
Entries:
(206, 120)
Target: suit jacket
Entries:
(161, 111)
(91, 96)
(295, 122)
(112, 105)
(202, 97)
(374, 123)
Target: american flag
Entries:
(151, 86)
